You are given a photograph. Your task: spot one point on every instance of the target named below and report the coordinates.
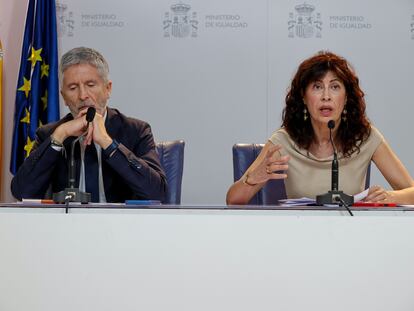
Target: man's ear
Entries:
(63, 96)
(109, 88)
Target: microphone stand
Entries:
(335, 196)
(71, 193)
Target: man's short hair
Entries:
(84, 55)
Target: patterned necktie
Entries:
(92, 172)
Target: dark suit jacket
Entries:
(132, 172)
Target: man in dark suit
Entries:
(125, 160)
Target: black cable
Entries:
(345, 205)
(67, 200)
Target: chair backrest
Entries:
(368, 177)
(171, 154)
(243, 157)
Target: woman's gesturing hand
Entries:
(270, 167)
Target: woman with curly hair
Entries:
(325, 88)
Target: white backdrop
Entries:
(220, 75)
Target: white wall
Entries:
(227, 84)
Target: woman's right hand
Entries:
(268, 165)
(271, 166)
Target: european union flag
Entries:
(37, 96)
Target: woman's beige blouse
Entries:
(309, 176)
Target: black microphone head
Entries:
(331, 124)
(90, 114)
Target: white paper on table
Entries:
(360, 196)
(297, 202)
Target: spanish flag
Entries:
(37, 94)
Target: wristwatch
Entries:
(110, 150)
(57, 145)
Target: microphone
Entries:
(90, 115)
(71, 193)
(335, 170)
(335, 196)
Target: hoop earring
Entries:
(305, 114)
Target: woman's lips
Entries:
(326, 111)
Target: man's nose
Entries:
(83, 93)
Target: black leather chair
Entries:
(274, 190)
(171, 154)
(243, 157)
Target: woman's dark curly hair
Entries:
(352, 132)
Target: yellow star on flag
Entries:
(35, 56)
(44, 68)
(44, 100)
(25, 87)
(26, 118)
(29, 146)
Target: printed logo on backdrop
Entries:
(230, 21)
(180, 22)
(101, 20)
(349, 22)
(65, 21)
(304, 22)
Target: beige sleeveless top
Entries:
(309, 176)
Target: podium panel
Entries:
(205, 259)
